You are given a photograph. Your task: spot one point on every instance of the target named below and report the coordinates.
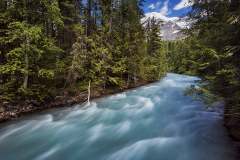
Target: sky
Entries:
(166, 9)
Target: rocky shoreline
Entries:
(232, 124)
(10, 112)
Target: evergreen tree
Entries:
(101, 41)
(155, 62)
(28, 55)
(212, 51)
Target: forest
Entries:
(55, 47)
(59, 47)
(212, 51)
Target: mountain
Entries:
(171, 31)
(171, 27)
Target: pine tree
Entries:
(101, 41)
(155, 62)
(212, 52)
(29, 53)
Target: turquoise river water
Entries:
(153, 122)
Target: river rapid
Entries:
(153, 122)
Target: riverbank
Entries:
(232, 123)
(10, 111)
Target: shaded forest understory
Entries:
(13, 111)
(52, 49)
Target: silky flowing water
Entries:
(154, 122)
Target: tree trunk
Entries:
(89, 91)
(89, 17)
(128, 79)
(26, 75)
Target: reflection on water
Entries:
(155, 122)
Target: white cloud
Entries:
(162, 14)
(151, 6)
(154, 5)
(164, 9)
(183, 4)
(159, 15)
(158, 4)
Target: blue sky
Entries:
(167, 8)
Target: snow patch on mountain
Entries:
(171, 28)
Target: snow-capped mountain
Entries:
(171, 28)
(170, 31)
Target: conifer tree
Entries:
(212, 52)
(102, 41)
(155, 62)
(29, 53)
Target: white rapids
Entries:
(154, 122)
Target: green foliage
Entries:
(154, 64)
(93, 60)
(201, 93)
(102, 41)
(28, 55)
(212, 51)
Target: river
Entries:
(153, 122)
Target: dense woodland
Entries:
(212, 51)
(49, 48)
